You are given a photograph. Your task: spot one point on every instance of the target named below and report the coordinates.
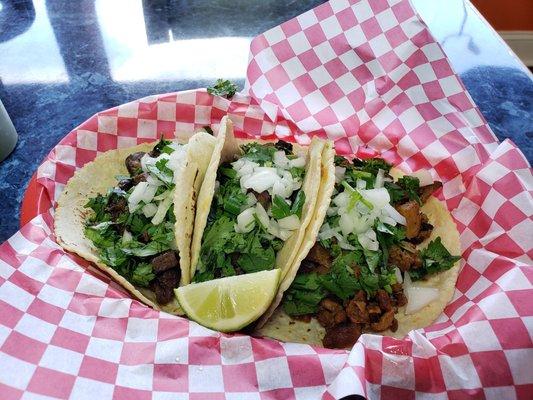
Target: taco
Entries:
(131, 212)
(381, 263)
(254, 208)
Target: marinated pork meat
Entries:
(426, 191)
(413, 218)
(330, 313)
(342, 336)
(384, 322)
(404, 259)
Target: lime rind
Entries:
(229, 304)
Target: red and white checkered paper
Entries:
(368, 75)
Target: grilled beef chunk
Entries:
(116, 205)
(426, 191)
(330, 313)
(282, 145)
(125, 184)
(142, 177)
(165, 261)
(263, 198)
(411, 211)
(133, 163)
(404, 259)
(384, 301)
(384, 322)
(342, 336)
(164, 283)
(356, 311)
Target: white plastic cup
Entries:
(8, 134)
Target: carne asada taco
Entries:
(253, 208)
(131, 212)
(382, 261)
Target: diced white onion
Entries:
(177, 158)
(152, 180)
(142, 192)
(297, 162)
(342, 199)
(162, 196)
(418, 297)
(398, 274)
(378, 197)
(395, 215)
(149, 210)
(424, 176)
(290, 223)
(347, 224)
(379, 179)
(339, 174)
(262, 215)
(245, 221)
(280, 159)
(162, 209)
(284, 234)
(126, 236)
(332, 211)
(261, 180)
(251, 199)
(360, 184)
(368, 240)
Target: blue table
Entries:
(62, 61)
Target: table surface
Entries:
(63, 61)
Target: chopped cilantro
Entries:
(224, 88)
(372, 165)
(298, 204)
(280, 208)
(163, 146)
(435, 258)
(142, 274)
(259, 153)
(304, 295)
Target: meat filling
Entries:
(413, 218)
(263, 198)
(164, 283)
(404, 259)
(426, 191)
(342, 336)
(165, 261)
(318, 260)
(133, 163)
(116, 206)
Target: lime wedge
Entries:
(229, 304)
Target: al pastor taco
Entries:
(385, 260)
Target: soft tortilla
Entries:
(98, 176)
(323, 198)
(311, 185)
(284, 328)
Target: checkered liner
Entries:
(369, 76)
